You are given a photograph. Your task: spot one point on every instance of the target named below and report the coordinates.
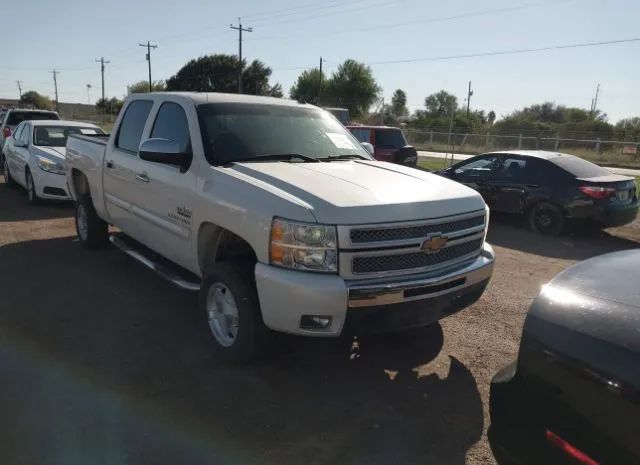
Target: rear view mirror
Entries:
(368, 147)
(164, 151)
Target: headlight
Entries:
(50, 165)
(303, 246)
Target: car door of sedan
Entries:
(20, 154)
(509, 185)
(476, 173)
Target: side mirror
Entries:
(164, 151)
(368, 147)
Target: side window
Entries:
(24, 136)
(363, 135)
(17, 131)
(171, 123)
(132, 125)
(481, 167)
(512, 169)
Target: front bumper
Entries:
(373, 305)
(50, 185)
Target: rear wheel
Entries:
(92, 231)
(546, 218)
(32, 196)
(8, 180)
(228, 305)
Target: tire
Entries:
(92, 231)
(9, 181)
(32, 195)
(546, 218)
(229, 308)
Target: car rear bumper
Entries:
(618, 215)
(287, 296)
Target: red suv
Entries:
(389, 144)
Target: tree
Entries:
(491, 117)
(109, 106)
(41, 102)
(219, 73)
(628, 129)
(441, 103)
(307, 86)
(399, 103)
(353, 86)
(142, 87)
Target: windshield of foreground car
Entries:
(56, 136)
(245, 131)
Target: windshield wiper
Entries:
(275, 157)
(344, 157)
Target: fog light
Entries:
(315, 322)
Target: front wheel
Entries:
(32, 196)
(92, 231)
(546, 218)
(228, 305)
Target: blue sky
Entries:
(291, 35)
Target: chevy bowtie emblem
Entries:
(434, 243)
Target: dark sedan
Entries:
(549, 188)
(573, 395)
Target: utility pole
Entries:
(319, 83)
(88, 94)
(55, 85)
(594, 102)
(19, 88)
(240, 30)
(469, 94)
(149, 47)
(102, 62)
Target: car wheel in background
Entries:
(228, 305)
(92, 231)
(8, 180)
(32, 196)
(546, 218)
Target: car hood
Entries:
(352, 192)
(55, 153)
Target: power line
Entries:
(507, 52)
(270, 13)
(240, 30)
(149, 47)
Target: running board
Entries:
(161, 267)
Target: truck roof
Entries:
(218, 97)
(371, 126)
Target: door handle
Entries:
(142, 177)
(110, 164)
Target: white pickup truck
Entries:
(279, 217)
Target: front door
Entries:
(166, 193)
(508, 184)
(121, 164)
(477, 173)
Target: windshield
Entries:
(390, 138)
(578, 167)
(56, 136)
(243, 131)
(17, 117)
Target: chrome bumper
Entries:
(369, 295)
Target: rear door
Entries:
(21, 154)
(164, 194)
(9, 150)
(121, 165)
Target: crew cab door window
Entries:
(171, 123)
(132, 125)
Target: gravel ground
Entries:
(104, 363)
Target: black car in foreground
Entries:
(573, 395)
(549, 188)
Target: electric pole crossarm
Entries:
(240, 30)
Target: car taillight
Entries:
(569, 449)
(6, 132)
(597, 192)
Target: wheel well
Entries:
(216, 244)
(80, 183)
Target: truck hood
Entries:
(353, 192)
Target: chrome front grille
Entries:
(408, 261)
(394, 249)
(412, 232)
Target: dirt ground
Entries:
(102, 362)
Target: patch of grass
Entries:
(433, 164)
